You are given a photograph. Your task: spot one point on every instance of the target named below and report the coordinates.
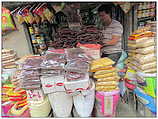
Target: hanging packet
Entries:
(7, 22)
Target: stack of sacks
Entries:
(67, 82)
(76, 70)
(52, 79)
(106, 75)
(8, 58)
(78, 84)
(52, 71)
(107, 94)
(28, 78)
(28, 73)
(142, 55)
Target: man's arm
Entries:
(115, 39)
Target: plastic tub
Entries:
(107, 102)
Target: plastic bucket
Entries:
(106, 102)
(84, 102)
(61, 104)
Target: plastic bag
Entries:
(7, 51)
(143, 59)
(71, 76)
(130, 74)
(105, 75)
(141, 35)
(54, 61)
(77, 66)
(92, 50)
(106, 89)
(115, 78)
(49, 15)
(7, 22)
(109, 83)
(131, 54)
(20, 17)
(100, 72)
(146, 74)
(52, 72)
(123, 57)
(101, 63)
(120, 65)
(152, 70)
(77, 53)
(8, 57)
(142, 41)
(140, 79)
(29, 73)
(27, 15)
(131, 46)
(148, 65)
(33, 62)
(147, 50)
(39, 11)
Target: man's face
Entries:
(105, 18)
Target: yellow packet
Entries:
(105, 75)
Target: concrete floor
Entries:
(125, 110)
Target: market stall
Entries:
(65, 75)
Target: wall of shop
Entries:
(17, 41)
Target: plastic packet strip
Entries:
(33, 62)
(30, 72)
(54, 60)
(25, 74)
(55, 51)
(77, 53)
(31, 83)
(31, 87)
(50, 71)
(77, 66)
(30, 77)
(71, 76)
(35, 79)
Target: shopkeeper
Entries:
(112, 31)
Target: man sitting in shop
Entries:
(112, 31)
